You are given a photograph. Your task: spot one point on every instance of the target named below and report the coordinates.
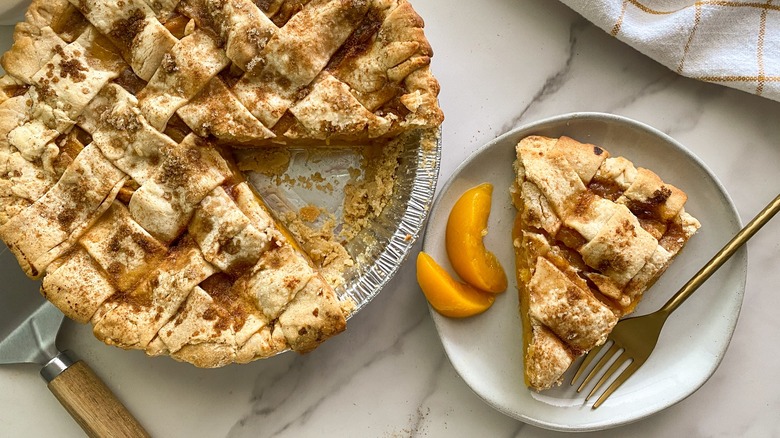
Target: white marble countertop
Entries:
(502, 64)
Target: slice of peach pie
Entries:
(591, 235)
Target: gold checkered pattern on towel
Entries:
(733, 43)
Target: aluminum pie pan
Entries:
(395, 231)
(385, 241)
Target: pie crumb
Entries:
(268, 161)
(348, 305)
(366, 198)
(320, 243)
(310, 213)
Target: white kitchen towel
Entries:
(734, 43)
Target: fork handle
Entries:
(722, 256)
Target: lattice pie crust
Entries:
(117, 186)
(592, 233)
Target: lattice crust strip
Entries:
(115, 183)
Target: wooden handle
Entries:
(93, 405)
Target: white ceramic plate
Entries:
(486, 349)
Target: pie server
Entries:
(28, 332)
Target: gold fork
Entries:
(637, 336)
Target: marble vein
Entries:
(308, 386)
(556, 80)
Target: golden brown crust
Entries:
(592, 234)
(77, 286)
(312, 316)
(113, 180)
(547, 358)
(567, 309)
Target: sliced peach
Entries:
(448, 296)
(466, 227)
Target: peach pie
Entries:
(118, 122)
(591, 235)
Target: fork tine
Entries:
(614, 367)
(632, 367)
(585, 362)
(604, 359)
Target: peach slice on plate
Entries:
(466, 227)
(446, 295)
